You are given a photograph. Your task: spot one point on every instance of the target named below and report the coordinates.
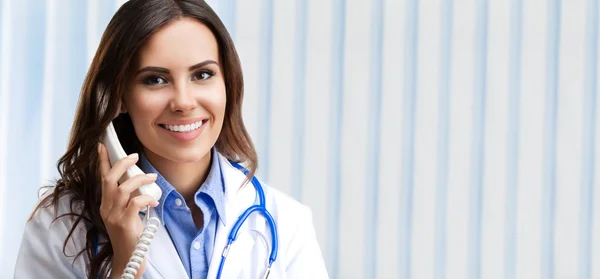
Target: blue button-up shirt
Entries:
(195, 246)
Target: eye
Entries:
(203, 75)
(152, 80)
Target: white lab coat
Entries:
(41, 253)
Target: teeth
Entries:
(184, 128)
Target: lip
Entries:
(185, 136)
(185, 121)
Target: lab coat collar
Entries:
(239, 195)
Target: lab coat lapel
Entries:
(237, 199)
(163, 256)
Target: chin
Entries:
(186, 156)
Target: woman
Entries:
(169, 70)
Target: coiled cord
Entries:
(142, 246)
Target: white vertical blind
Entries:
(432, 139)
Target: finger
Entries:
(120, 167)
(138, 203)
(124, 191)
(104, 165)
(111, 175)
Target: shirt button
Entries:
(178, 202)
(196, 245)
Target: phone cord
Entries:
(142, 246)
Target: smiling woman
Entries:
(167, 76)
(177, 101)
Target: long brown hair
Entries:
(107, 80)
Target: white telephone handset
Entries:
(116, 152)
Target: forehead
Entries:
(181, 43)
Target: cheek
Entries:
(144, 107)
(222, 103)
(218, 102)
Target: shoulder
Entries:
(278, 196)
(284, 205)
(57, 217)
(302, 255)
(289, 214)
(44, 244)
(292, 217)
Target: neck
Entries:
(185, 177)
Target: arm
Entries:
(306, 260)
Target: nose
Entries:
(183, 99)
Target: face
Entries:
(177, 98)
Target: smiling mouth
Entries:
(184, 128)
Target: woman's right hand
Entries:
(119, 211)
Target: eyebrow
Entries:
(166, 71)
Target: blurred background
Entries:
(432, 139)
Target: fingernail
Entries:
(133, 156)
(151, 175)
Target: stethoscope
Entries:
(260, 207)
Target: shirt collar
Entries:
(213, 186)
(162, 183)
